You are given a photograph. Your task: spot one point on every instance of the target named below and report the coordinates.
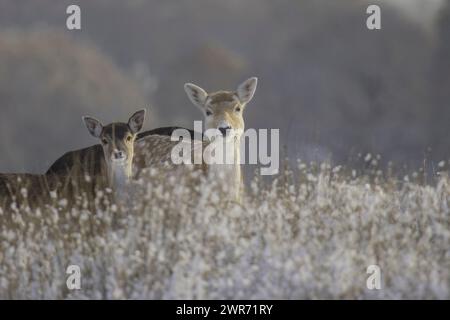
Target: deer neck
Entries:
(119, 174)
(230, 172)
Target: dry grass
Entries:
(308, 234)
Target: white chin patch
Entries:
(231, 135)
(119, 162)
(234, 134)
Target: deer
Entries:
(224, 114)
(111, 160)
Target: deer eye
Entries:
(129, 138)
(104, 141)
(238, 109)
(208, 112)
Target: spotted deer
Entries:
(223, 112)
(111, 160)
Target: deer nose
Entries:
(224, 130)
(119, 155)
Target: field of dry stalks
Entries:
(310, 233)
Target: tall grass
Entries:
(310, 233)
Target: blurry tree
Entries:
(327, 82)
(210, 66)
(47, 82)
(440, 80)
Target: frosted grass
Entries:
(305, 235)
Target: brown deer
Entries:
(111, 161)
(223, 112)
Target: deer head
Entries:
(223, 110)
(117, 140)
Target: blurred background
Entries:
(332, 87)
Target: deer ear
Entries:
(136, 121)
(196, 94)
(247, 89)
(94, 126)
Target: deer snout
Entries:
(224, 130)
(119, 155)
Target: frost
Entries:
(304, 235)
